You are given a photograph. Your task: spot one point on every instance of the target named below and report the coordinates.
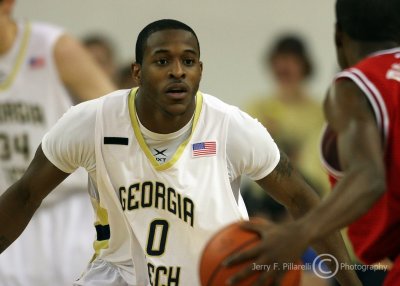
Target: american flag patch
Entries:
(37, 62)
(202, 149)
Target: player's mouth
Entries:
(177, 91)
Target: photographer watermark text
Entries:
(319, 266)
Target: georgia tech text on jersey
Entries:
(157, 195)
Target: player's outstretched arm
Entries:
(20, 201)
(79, 72)
(286, 243)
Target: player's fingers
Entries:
(242, 256)
(248, 226)
(270, 278)
(256, 227)
(270, 275)
(265, 278)
(239, 276)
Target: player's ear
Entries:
(201, 68)
(338, 36)
(136, 73)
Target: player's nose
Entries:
(177, 69)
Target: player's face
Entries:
(170, 73)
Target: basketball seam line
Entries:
(220, 266)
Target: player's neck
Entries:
(158, 121)
(360, 50)
(8, 33)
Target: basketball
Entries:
(225, 242)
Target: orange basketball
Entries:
(225, 242)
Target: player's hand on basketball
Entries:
(279, 246)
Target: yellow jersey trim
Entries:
(102, 219)
(21, 55)
(142, 143)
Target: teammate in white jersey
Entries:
(164, 162)
(39, 64)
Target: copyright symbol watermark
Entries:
(320, 269)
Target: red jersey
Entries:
(376, 235)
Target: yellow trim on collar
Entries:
(142, 143)
(21, 55)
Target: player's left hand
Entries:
(279, 244)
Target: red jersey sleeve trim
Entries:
(373, 95)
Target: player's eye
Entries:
(162, 62)
(188, 62)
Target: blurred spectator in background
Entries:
(103, 51)
(125, 79)
(39, 65)
(290, 113)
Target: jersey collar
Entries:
(142, 143)
(19, 60)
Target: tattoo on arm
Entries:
(4, 243)
(284, 168)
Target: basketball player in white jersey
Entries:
(164, 162)
(39, 65)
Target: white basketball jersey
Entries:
(168, 211)
(32, 99)
(56, 244)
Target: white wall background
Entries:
(232, 33)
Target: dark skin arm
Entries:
(20, 201)
(286, 186)
(361, 157)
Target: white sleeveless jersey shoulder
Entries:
(32, 99)
(169, 210)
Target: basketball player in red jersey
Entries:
(360, 147)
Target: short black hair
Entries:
(369, 20)
(160, 25)
(293, 45)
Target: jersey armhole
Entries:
(373, 96)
